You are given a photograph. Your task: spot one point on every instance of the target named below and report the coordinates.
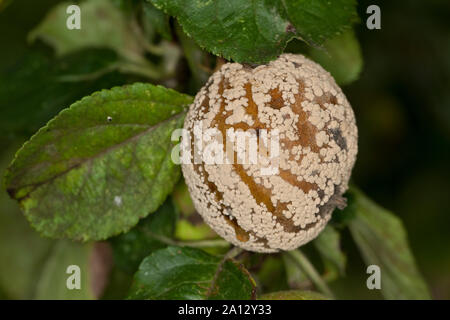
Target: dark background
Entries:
(402, 105)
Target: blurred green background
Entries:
(402, 105)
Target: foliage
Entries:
(101, 167)
(82, 163)
(188, 273)
(257, 31)
(382, 241)
(67, 79)
(132, 247)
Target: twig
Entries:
(302, 261)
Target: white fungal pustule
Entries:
(290, 204)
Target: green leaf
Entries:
(293, 295)
(100, 165)
(132, 247)
(328, 243)
(341, 56)
(26, 104)
(319, 20)
(102, 25)
(240, 30)
(257, 31)
(382, 240)
(188, 273)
